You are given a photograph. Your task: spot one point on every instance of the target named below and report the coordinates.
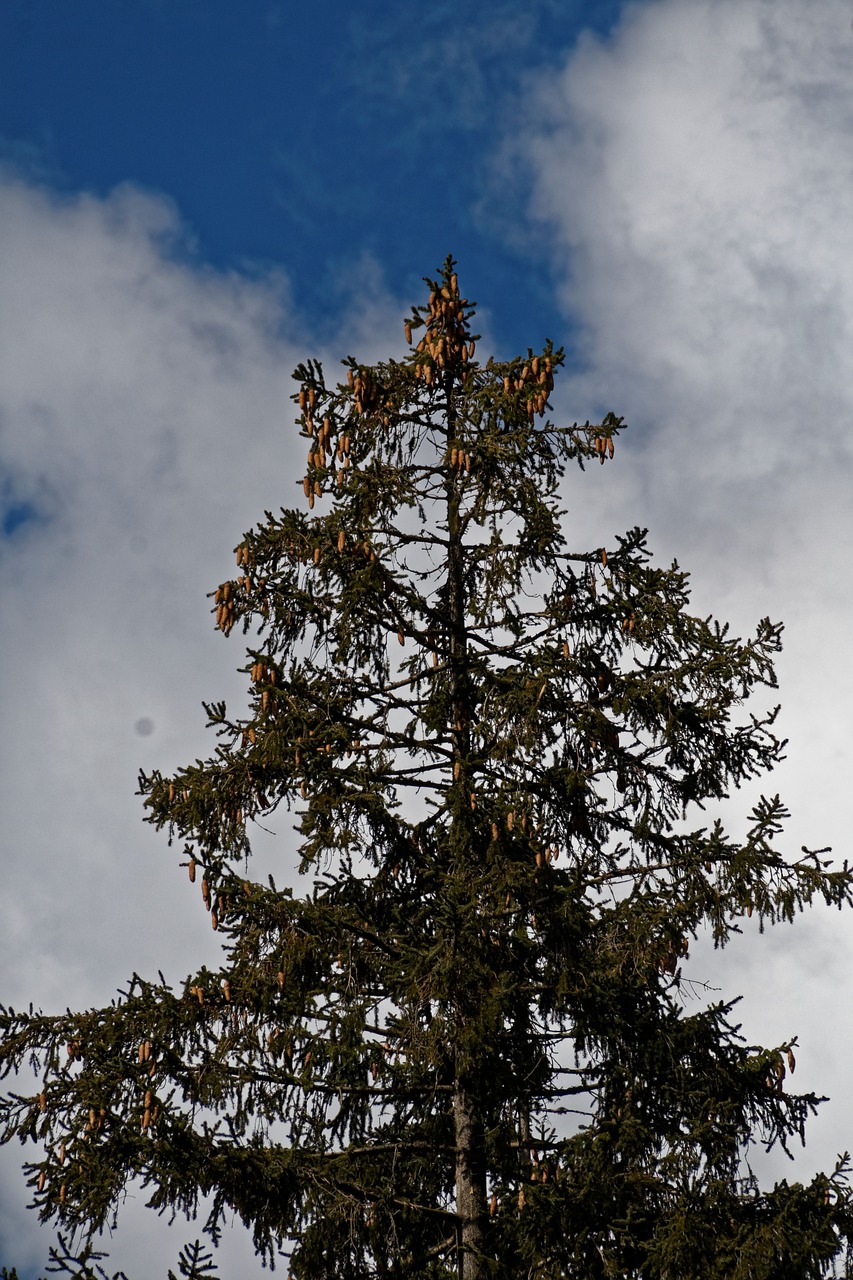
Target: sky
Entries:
(196, 195)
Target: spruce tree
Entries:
(463, 1050)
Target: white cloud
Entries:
(145, 424)
(697, 174)
(693, 176)
(145, 417)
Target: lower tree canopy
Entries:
(463, 1049)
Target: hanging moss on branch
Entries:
(462, 1051)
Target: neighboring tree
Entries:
(465, 1050)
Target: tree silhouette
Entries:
(463, 1050)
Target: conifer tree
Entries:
(463, 1050)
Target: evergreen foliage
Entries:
(195, 1263)
(464, 1049)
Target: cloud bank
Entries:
(145, 425)
(692, 177)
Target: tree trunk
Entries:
(470, 1186)
(470, 1154)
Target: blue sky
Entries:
(297, 135)
(196, 195)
